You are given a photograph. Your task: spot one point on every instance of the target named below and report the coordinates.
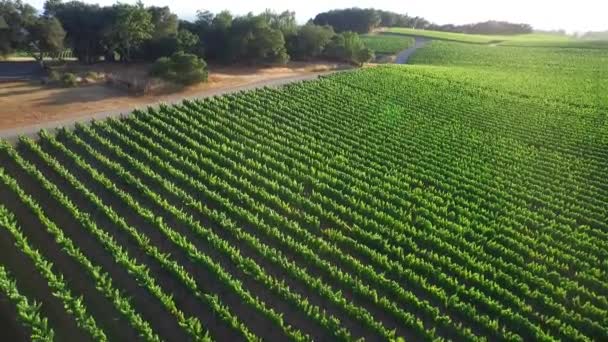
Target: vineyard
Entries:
(578, 77)
(523, 40)
(387, 43)
(427, 202)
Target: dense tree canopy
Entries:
(348, 47)
(253, 40)
(45, 36)
(365, 20)
(487, 27)
(85, 25)
(22, 29)
(16, 18)
(164, 22)
(130, 28)
(350, 19)
(309, 41)
(128, 32)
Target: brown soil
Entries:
(24, 104)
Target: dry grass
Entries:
(27, 103)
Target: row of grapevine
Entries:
(390, 203)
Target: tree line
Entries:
(366, 20)
(487, 27)
(133, 32)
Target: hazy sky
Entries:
(572, 15)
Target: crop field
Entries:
(445, 200)
(387, 44)
(449, 36)
(534, 40)
(575, 76)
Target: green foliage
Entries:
(253, 40)
(573, 75)
(164, 37)
(463, 197)
(17, 19)
(153, 49)
(183, 68)
(531, 40)
(348, 47)
(350, 19)
(45, 37)
(68, 80)
(132, 26)
(310, 41)
(433, 195)
(86, 27)
(491, 27)
(164, 22)
(29, 311)
(187, 41)
(387, 43)
(365, 55)
(284, 22)
(460, 37)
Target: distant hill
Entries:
(598, 35)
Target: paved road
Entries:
(404, 56)
(12, 135)
(16, 71)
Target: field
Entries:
(461, 198)
(534, 39)
(387, 44)
(575, 76)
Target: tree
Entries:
(132, 25)
(348, 47)
(222, 21)
(22, 29)
(487, 27)
(252, 40)
(51, 6)
(204, 19)
(45, 36)
(182, 68)
(164, 22)
(310, 41)
(84, 25)
(213, 33)
(350, 19)
(17, 17)
(284, 22)
(5, 41)
(164, 41)
(187, 41)
(365, 55)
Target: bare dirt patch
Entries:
(24, 104)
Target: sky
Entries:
(571, 15)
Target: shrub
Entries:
(365, 55)
(69, 80)
(54, 76)
(183, 68)
(161, 67)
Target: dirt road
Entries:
(404, 56)
(12, 134)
